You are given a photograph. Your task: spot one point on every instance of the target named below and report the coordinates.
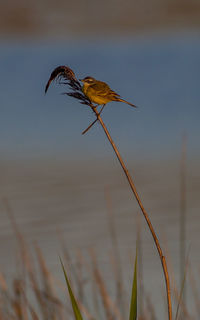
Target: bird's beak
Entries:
(80, 80)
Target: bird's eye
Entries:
(89, 80)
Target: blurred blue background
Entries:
(159, 73)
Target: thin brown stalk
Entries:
(183, 213)
(116, 254)
(53, 305)
(177, 293)
(5, 299)
(185, 313)
(81, 280)
(3, 284)
(45, 274)
(181, 302)
(133, 188)
(67, 257)
(94, 289)
(140, 269)
(150, 307)
(33, 314)
(194, 287)
(18, 305)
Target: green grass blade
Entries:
(75, 307)
(133, 304)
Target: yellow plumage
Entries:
(100, 93)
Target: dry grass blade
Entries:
(116, 256)
(150, 307)
(19, 236)
(183, 213)
(19, 300)
(46, 276)
(76, 276)
(195, 293)
(67, 258)
(5, 300)
(140, 269)
(111, 310)
(52, 305)
(33, 314)
(184, 311)
(3, 284)
(19, 286)
(180, 298)
(80, 280)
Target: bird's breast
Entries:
(93, 96)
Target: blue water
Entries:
(159, 73)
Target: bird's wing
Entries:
(102, 89)
(114, 94)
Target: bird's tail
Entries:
(122, 100)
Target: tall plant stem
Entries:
(183, 212)
(133, 188)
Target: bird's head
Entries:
(87, 81)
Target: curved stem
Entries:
(133, 188)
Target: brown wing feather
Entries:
(114, 94)
(102, 89)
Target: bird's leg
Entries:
(93, 121)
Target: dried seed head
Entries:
(65, 75)
(63, 72)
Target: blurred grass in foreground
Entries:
(33, 290)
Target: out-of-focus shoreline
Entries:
(38, 19)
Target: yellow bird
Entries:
(100, 93)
